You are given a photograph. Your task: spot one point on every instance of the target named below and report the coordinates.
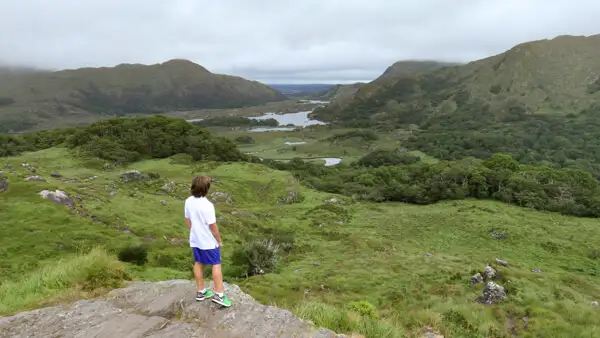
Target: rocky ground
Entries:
(163, 309)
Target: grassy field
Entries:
(317, 144)
(342, 253)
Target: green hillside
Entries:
(40, 99)
(408, 67)
(536, 102)
(348, 260)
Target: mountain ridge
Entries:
(38, 100)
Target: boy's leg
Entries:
(199, 276)
(217, 275)
(201, 292)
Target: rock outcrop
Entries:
(57, 196)
(164, 309)
(3, 184)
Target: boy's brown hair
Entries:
(200, 186)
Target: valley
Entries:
(460, 200)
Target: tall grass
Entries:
(80, 275)
(346, 321)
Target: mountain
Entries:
(537, 101)
(35, 100)
(301, 89)
(340, 95)
(407, 67)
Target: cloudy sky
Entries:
(280, 41)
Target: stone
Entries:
(536, 270)
(35, 179)
(492, 294)
(428, 254)
(498, 235)
(476, 279)
(429, 332)
(56, 175)
(594, 303)
(3, 185)
(31, 169)
(1, 172)
(290, 198)
(112, 193)
(160, 310)
(489, 272)
(8, 166)
(24, 164)
(132, 175)
(57, 196)
(220, 197)
(169, 187)
(501, 262)
(163, 202)
(333, 201)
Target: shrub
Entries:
(246, 139)
(364, 309)
(136, 254)
(259, 256)
(380, 158)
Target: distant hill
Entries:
(534, 101)
(340, 95)
(41, 99)
(301, 89)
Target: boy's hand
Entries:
(220, 244)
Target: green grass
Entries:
(271, 145)
(77, 277)
(353, 252)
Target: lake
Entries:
(299, 119)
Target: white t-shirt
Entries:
(202, 214)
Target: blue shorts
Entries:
(207, 257)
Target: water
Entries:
(263, 129)
(329, 161)
(194, 120)
(294, 143)
(299, 119)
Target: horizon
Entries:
(274, 42)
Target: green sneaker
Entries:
(203, 296)
(221, 300)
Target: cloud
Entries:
(280, 40)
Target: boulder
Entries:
(160, 310)
(3, 185)
(1, 172)
(56, 175)
(132, 175)
(57, 196)
(290, 198)
(501, 262)
(594, 303)
(31, 169)
(35, 179)
(220, 197)
(489, 272)
(492, 294)
(333, 201)
(8, 166)
(476, 279)
(169, 187)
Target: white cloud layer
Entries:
(280, 41)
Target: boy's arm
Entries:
(215, 231)
(211, 219)
(188, 221)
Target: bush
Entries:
(380, 158)
(246, 139)
(364, 309)
(136, 254)
(258, 257)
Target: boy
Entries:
(205, 240)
